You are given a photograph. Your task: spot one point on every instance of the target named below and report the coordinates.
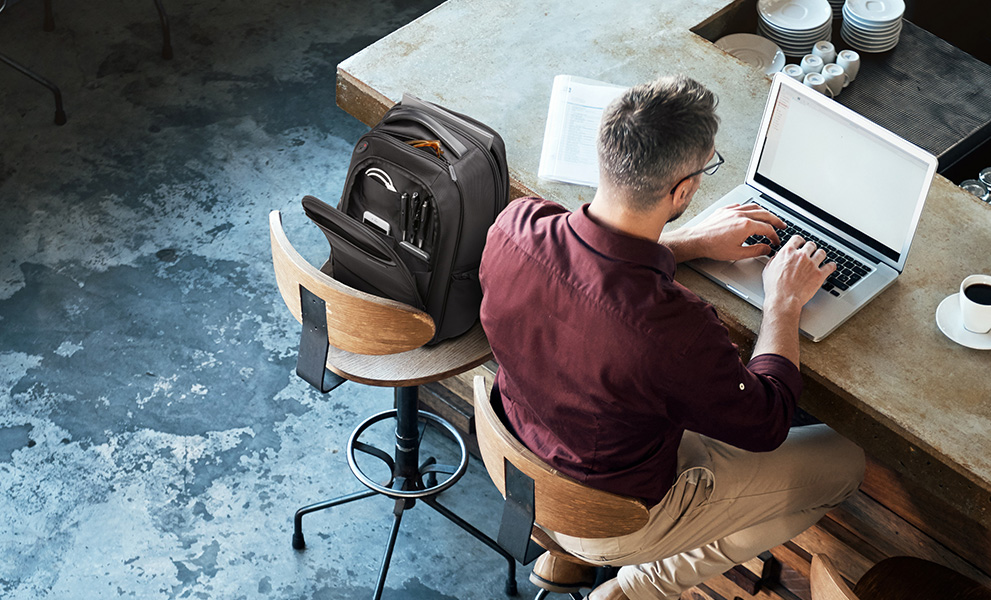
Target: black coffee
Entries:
(979, 293)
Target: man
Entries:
(621, 378)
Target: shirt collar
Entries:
(620, 246)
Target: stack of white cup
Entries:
(824, 70)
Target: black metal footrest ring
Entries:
(407, 494)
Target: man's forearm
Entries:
(779, 332)
(682, 244)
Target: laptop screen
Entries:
(844, 170)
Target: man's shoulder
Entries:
(527, 217)
(530, 208)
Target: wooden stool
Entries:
(350, 335)
(896, 578)
(539, 497)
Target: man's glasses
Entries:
(708, 170)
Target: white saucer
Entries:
(754, 50)
(868, 48)
(792, 45)
(876, 10)
(868, 40)
(795, 14)
(949, 322)
(797, 33)
(871, 29)
(870, 25)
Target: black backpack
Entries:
(423, 187)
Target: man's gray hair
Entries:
(654, 134)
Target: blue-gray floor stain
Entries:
(154, 439)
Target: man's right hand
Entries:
(790, 280)
(794, 275)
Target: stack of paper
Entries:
(573, 117)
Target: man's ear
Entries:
(683, 193)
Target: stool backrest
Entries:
(896, 578)
(561, 504)
(827, 583)
(357, 322)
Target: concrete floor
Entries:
(154, 439)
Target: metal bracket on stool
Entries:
(518, 517)
(311, 362)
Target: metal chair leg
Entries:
(166, 36)
(469, 528)
(384, 570)
(59, 111)
(298, 541)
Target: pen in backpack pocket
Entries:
(403, 210)
(414, 216)
(433, 230)
(421, 231)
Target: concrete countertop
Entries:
(887, 378)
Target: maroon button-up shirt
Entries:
(605, 360)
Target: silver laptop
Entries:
(842, 181)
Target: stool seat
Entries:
(414, 367)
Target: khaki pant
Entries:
(726, 507)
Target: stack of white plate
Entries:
(795, 25)
(837, 6)
(872, 25)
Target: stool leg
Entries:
(468, 527)
(298, 542)
(402, 505)
(166, 37)
(59, 112)
(388, 555)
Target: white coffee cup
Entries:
(835, 78)
(794, 71)
(975, 303)
(816, 82)
(811, 64)
(850, 61)
(825, 50)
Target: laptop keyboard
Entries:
(849, 270)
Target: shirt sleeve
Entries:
(710, 390)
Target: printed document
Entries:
(576, 107)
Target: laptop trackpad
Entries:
(745, 277)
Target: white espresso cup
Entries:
(975, 303)
(835, 78)
(825, 50)
(850, 61)
(811, 63)
(817, 82)
(794, 71)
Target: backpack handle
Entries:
(452, 143)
